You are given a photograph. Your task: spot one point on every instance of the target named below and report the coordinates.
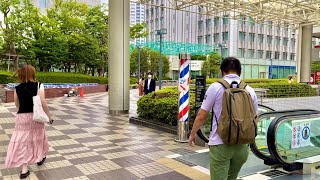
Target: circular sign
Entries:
(305, 132)
(311, 79)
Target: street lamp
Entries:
(160, 33)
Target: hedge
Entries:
(162, 105)
(57, 77)
(252, 81)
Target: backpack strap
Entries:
(224, 83)
(242, 85)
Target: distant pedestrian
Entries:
(234, 107)
(29, 142)
(141, 86)
(150, 84)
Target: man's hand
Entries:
(192, 140)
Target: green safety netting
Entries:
(174, 48)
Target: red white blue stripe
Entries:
(184, 82)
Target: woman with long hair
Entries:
(29, 142)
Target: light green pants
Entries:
(227, 160)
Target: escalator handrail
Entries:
(254, 148)
(271, 135)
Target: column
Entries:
(119, 60)
(305, 53)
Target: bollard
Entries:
(81, 91)
(184, 81)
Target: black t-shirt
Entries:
(25, 92)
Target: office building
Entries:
(265, 50)
(136, 17)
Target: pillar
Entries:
(119, 60)
(305, 53)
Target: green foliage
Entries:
(286, 90)
(162, 106)
(149, 61)
(199, 57)
(211, 66)
(252, 81)
(315, 66)
(139, 31)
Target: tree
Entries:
(211, 65)
(149, 61)
(315, 66)
(10, 27)
(138, 31)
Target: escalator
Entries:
(275, 137)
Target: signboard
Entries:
(200, 90)
(301, 132)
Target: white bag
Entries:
(38, 113)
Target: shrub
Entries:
(163, 106)
(57, 77)
(286, 90)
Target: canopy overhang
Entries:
(280, 12)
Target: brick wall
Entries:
(60, 92)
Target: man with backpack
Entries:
(234, 107)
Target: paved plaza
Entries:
(87, 143)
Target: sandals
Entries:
(41, 162)
(25, 175)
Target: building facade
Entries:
(265, 50)
(137, 16)
(44, 4)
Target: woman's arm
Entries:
(16, 99)
(43, 101)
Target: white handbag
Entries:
(38, 113)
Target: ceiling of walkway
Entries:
(280, 12)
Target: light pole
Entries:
(139, 52)
(160, 33)
(271, 75)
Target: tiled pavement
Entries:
(87, 143)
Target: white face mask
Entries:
(149, 76)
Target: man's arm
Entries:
(200, 119)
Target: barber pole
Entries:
(184, 91)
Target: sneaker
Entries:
(25, 175)
(41, 162)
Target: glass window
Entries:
(284, 56)
(251, 37)
(269, 39)
(293, 42)
(216, 38)
(260, 38)
(216, 21)
(292, 56)
(200, 27)
(277, 55)
(242, 36)
(251, 53)
(208, 23)
(225, 36)
(241, 52)
(242, 20)
(260, 54)
(225, 52)
(251, 21)
(285, 41)
(208, 39)
(277, 40)
(225, 20)
(268, 54)
(200, 40)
